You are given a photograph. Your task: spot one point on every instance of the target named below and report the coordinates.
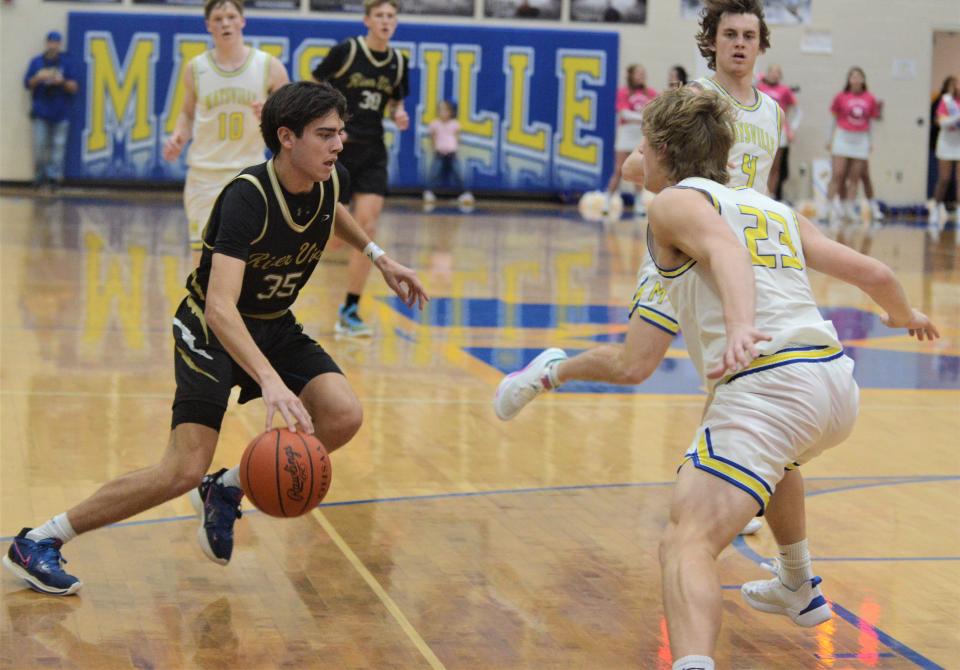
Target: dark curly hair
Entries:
(713, 11)
(295, 106)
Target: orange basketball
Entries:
(285, 473)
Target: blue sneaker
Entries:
(219, 508)
(350, 324)
(38, 563)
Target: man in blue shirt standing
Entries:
(51, 77)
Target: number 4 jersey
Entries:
(759, 134)
(226, 132)
(785, 307)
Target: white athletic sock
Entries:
(231, 477)
(795, 567)
(694, 663)
(58, 527)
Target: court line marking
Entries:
(375, 586)
(739, 543)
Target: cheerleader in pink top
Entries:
(772, 84)
(631, 99)
(948, 147)
(853, 109)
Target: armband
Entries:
(373, 252)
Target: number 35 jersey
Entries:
(759, 129)
(279, 236)
(785, 307)
(226, 132)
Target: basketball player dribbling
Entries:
(733, 33)
(224, 89)
(266, 235)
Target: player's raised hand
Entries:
(278, 398)
(740, 352)
(403, 281)
(173, 146)
(918, 325)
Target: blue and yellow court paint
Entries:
(450, 539)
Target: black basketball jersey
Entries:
(280, 236)
(368, 80)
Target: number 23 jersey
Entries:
(785, 307)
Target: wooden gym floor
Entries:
(450, 539)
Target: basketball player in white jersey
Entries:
(223, 92)
(733, 263)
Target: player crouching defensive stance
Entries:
(733, 265)
(265, 236)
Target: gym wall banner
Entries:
(536, 107)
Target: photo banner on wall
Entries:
(775, 12)
(248, 4)
(422, 7)
(609, 11)
(535, 107)
(522, 9)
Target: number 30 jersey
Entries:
(226, 132)
(785, 307)
(759, 129)
(368, 80)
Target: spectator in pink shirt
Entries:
(445, 133)
(772, 84)
(853, 109)
(948, 148)
(631, 99)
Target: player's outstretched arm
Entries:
(183, 130)
(401, 279)
(683, 219)
(868, 274)
(223, 317)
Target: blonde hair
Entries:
(370, 5)
(692, 132)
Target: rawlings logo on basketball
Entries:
(298, 473)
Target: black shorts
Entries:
(366, 161)
(205, 372)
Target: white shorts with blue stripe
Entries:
(759, 424)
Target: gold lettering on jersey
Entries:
(231, 95)
(267, 261)
(381, 83)
(310, 252)
(748, 133)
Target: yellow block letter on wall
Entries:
(121, 88)
(578, 107)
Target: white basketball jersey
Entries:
(785, 308)
(226, 133)
(759, 135)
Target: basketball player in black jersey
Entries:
(265, 236)
(373, 77)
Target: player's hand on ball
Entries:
(918, 325)
(278, 398)
(740, 352)
(403, 281)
